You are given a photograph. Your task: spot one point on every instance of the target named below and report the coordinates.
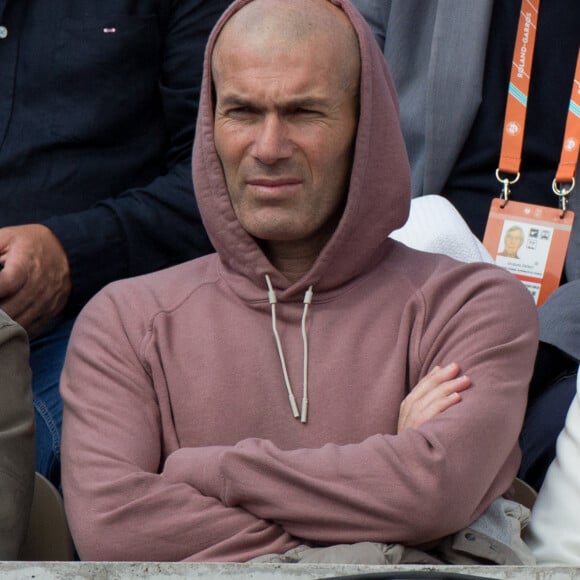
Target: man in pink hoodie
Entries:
(307, 384)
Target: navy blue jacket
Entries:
(98, 102)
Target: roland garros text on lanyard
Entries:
(531, 240)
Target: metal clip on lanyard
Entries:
(565, 181)
(563, 192)
(506, 181)
(515, 116)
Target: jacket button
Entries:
(3, 32)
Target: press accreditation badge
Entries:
(530, 241)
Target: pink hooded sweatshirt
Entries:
(179, 442)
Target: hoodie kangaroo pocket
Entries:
(106, 77)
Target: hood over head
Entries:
(378, 196)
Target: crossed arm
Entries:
(317, 485)
(142, 508)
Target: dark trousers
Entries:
(552, 389)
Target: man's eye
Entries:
(306, 112)
(240, 112)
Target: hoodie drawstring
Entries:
(307, 301)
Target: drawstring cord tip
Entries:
(304, 414)
(294, 406)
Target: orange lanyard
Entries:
(565, 180)
(508, 171)
(519, 88)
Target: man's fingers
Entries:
(434, 408)
(11, 280)
(433, 379)
(441, 404)
(18, 307)
(436, 392)
(35, 282)
(454, 385)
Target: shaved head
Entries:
(275, 27)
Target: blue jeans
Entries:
(47, 353)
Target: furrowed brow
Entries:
(234, 101)
(305, 103)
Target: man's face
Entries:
(284, 131)
(513, 242)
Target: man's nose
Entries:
(272, 143)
